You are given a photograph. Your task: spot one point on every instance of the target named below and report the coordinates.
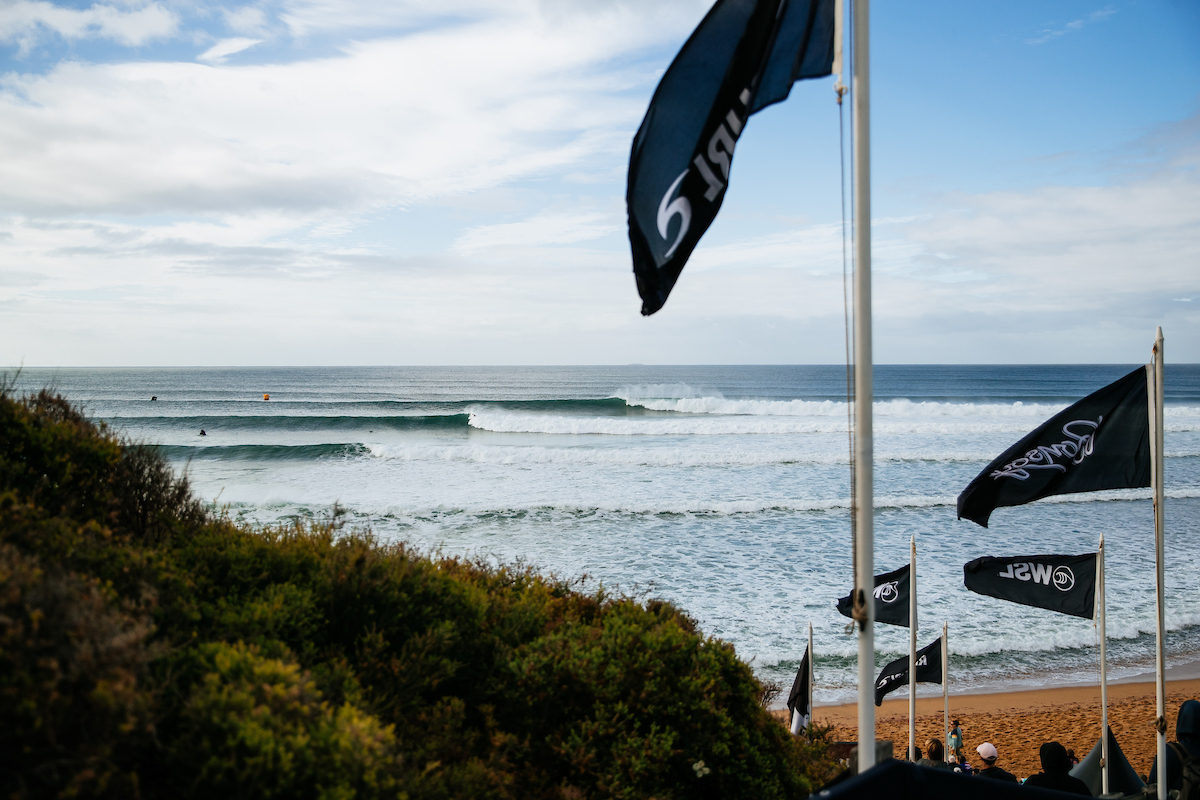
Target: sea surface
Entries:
(722, 489)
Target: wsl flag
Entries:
(744, 56)
(1066, 584)
(1101, 442)
(895, 674)
(797, 701)
(891, 598)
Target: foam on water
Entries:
(721, 489)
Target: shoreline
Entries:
(1018, 722)
(1187, 671)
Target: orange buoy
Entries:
(266, 397)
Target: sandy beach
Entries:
(1019, 722)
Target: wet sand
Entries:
(1017, 723)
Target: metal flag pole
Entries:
(1100, 609)
(1156, 472)
(864, 451)
(946, 684)
(912, 648)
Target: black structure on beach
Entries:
(1066, 584)
(744, 56)
(903, 780)
(1101, 442)
(892, 596)
(1122, 777)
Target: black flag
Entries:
(895, 674)
(891, 598)
(744, 56)
(1101, 442)
(798, 696)
(1066, 584)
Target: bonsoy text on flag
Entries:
(1101, 442)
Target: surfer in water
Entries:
(202, 433)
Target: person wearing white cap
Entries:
(987, 751)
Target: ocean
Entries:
(720, 488)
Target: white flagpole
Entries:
(1101, 603)
(912, 648)
(946, 685)
(839, 15)
(864, 451)
(1156, 453)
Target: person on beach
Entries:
(1074, 760)
(1056, 767)
(1187, 734)
(935, 756)
(987, 751)
(955, 741)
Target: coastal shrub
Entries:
(70, 693)
(152, 648)
(257, 727)
(57, 459)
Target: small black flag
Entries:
(891, 598)
(1066, 584)
(895, 674)
(744, 56)
(1101, 442)
(798, 696)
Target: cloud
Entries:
(1087, 270)
(225, 48)
(387, 122)
(442, 184)
(549, 228)
(24, 21)
(1066, 273)
(1084, 248)
(1050, 34)
(308, 18)
(248, 20)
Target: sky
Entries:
(348, 182)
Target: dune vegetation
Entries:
(152, 647)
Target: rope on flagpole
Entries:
(858, 602)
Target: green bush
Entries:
(149, 648)
(257, 727)
(71, 669)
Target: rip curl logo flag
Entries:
(891, 598)
(798, 696)
(1101, 442)
(744, 56)
(1066, 584)
(895, 674)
